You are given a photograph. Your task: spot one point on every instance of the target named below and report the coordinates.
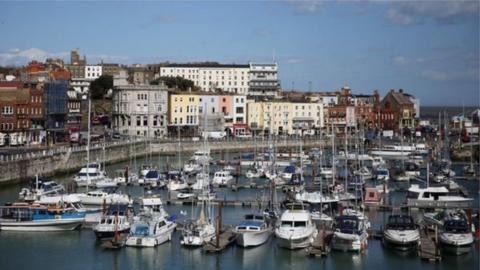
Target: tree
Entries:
(100, 86)
(175, 82)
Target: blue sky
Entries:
(430, 48)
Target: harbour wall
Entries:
(21, 167)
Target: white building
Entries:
(263, 80)
(140, 110)
(92, 72)
(209, 76)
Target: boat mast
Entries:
(88, 139)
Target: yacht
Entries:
(401, 233)
(364, 173)
(97, 197)
(114, 221)
(412, 169)
(222, 178)
(201, 182)
(253, 231)
(456, 236)
(350, 231)
(295, 229)
(38, 218)
(435, 197)
(149, 230)
(197, 232)
(393, 151)
(152, 178)
(316, 197)
(89, 175)
(287, 173)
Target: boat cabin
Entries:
(400, 223)
(372, 196)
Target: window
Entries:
(7, 110)
(145, 121)
(138, 121)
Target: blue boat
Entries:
(38, 218)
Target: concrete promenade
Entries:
(23, 166)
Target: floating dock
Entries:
(428, 250)
(225, 239)
(321, 244)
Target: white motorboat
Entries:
(40, 188)
(402, 177)
(89, 175)
(192, 167)
(351, 231)
(97, 197)
(115, 220)
(253, 231)
(316, 197)
(222, 178)
(456, 236)
(394, 151)
(255, 173)
(149, 230)
(364, 173)
(401, 233)
(295, 229)
(121, 180)
(201, 181)
(382, 174)
(185, 195)
(201, 156)
(435, 197)
(178, 184)
(106, 183)
(153, 204)
(207, 196)
(38, 218)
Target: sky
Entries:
(429, 48)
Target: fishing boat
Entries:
(350, 231)
(456, 236)
(253, 231)
(401, 233)
(115, 220)
(296, 229)
(149, 230)
(38, 218)
(222, 178)
(92, 215)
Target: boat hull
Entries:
(296, 243)
(150, 241)
(42, 225)
(106, 235)
(252, 239)
(349, 243)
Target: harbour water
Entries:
(80, 250)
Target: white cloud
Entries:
(306, 6)
(445, 12)
(16, 56)
(400, 60)
(399, 18)
(294, 60)
(438, 75)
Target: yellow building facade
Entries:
(184, 109)
(284, 117)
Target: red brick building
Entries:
(395, 110)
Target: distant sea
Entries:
(431, 112)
